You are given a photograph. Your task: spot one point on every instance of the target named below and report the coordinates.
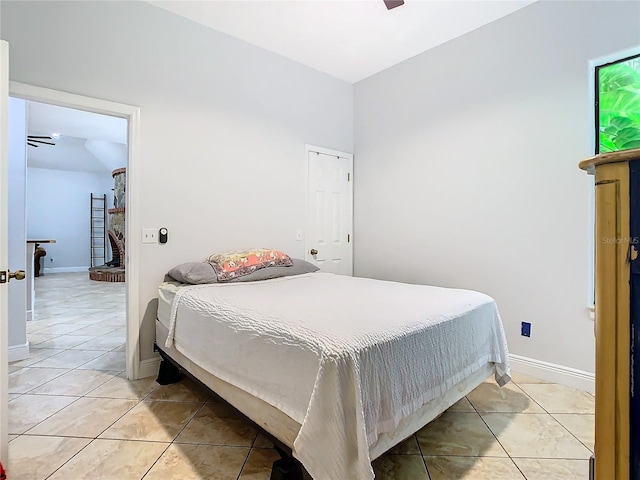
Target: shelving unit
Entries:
(98, 229)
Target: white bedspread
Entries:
(345, 357)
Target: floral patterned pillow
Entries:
(236, 264)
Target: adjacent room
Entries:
(354, 164)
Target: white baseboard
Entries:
(65, 269)
(149, 367)
(555, 373)
(18, 352)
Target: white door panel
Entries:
(330, 211)
(17, 228)
(4, 200)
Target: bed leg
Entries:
(168, 373)
(287, 468)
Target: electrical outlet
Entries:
(149, 235)
(525, 329)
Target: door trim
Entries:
(4, 254)
(18, 352)
(334, 153)
(132, 114)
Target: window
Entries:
(617, 102)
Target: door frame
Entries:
(333, 153)
(4, 252)
(132, 115)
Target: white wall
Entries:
(466, 169)
(58, 206)
(18, 348)
(223, 122)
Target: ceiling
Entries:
(348, 39)
(88, 142)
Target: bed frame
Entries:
(281, 429)
(286, 468)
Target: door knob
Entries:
(18, 275)
(6, 275)
(313, 251)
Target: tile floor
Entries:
(73, 415)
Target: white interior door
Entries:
(4, 296)
(329, 242)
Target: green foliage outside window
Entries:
(619, 105)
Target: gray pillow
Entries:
(298, 268)
(197, 273)
(194, 273)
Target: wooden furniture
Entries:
(617, 242)
(31, 249)
(39, 253)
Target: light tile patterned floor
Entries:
(73, 414)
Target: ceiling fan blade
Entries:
(32, 144)
(40, 141)
(31, 137)
(393, 3)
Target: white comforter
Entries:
(345, 357)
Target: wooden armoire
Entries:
(617, 313)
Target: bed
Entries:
(339, 369)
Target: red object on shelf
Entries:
(3, 475)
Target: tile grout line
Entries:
(246, 459)
(72, 456)
(156, 460)
(529, 396)
(70, 368)
(39, 385)
(68, 371)
(556, 413)
(496, 437)
(175, 437)
(92, 439)
(188, 421)
(424, 460)
(570, 432)
(116, 420)
(546, 412)
(26, 432)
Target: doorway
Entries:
(71, 156)
(129, 114)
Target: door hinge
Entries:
(3, 276)
(348, 177)
(348, 237)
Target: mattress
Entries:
(166, 293)
(349, 359)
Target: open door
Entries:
(4, 200)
